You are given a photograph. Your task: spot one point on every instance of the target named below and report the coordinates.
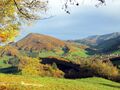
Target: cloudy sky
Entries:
(83, 21)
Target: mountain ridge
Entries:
(35, 41)
(103, 43)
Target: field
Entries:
(18, 82)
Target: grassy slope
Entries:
(116, 52)
(59, 84)
(2, 64)
(70, 55)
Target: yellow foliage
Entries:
(15, 12)
(8, 33)
(32, 66)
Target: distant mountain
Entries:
(104, 43)
(38, 42)
(110, 45)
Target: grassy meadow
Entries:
(17, 82)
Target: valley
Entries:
(44, 60)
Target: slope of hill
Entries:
(16, 82)
(9, 50)
(103, 43)
(38, 45)
(38, 42)
(110, 45)
(43, 45)
(97, 39)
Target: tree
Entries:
(75, 2)
(54, 66)
(66, 49)
(14, 13)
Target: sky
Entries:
(84, 21)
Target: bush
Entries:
(13, 61)
(97, 67)
(54, 66)
(104, 69)
(32, 66)
(29, 66)
(47, 70)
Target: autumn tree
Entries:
(14, 13)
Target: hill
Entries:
(39, 45)
(103, 43)
(97, 39)
(38, 42)
(31, 59)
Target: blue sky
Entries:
(83, 21)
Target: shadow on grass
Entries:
(109, 85)
(9, 70)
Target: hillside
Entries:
(103, 43)
(38, 83)
(40, 62)
(38, 42)
(42, 45)
(38, 46)
(98, 39)
(110, 45)
(9, 51)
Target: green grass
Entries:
(2, 63)
(59, 84)
(116, 52)
(72, 55)
(48, 53)
(81, 84)
(81, 53)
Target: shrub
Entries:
(97, 67)
(104, 69)
(47, 70)
(13, 61)
(29, 66)
(54, 66)
(32, 66)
